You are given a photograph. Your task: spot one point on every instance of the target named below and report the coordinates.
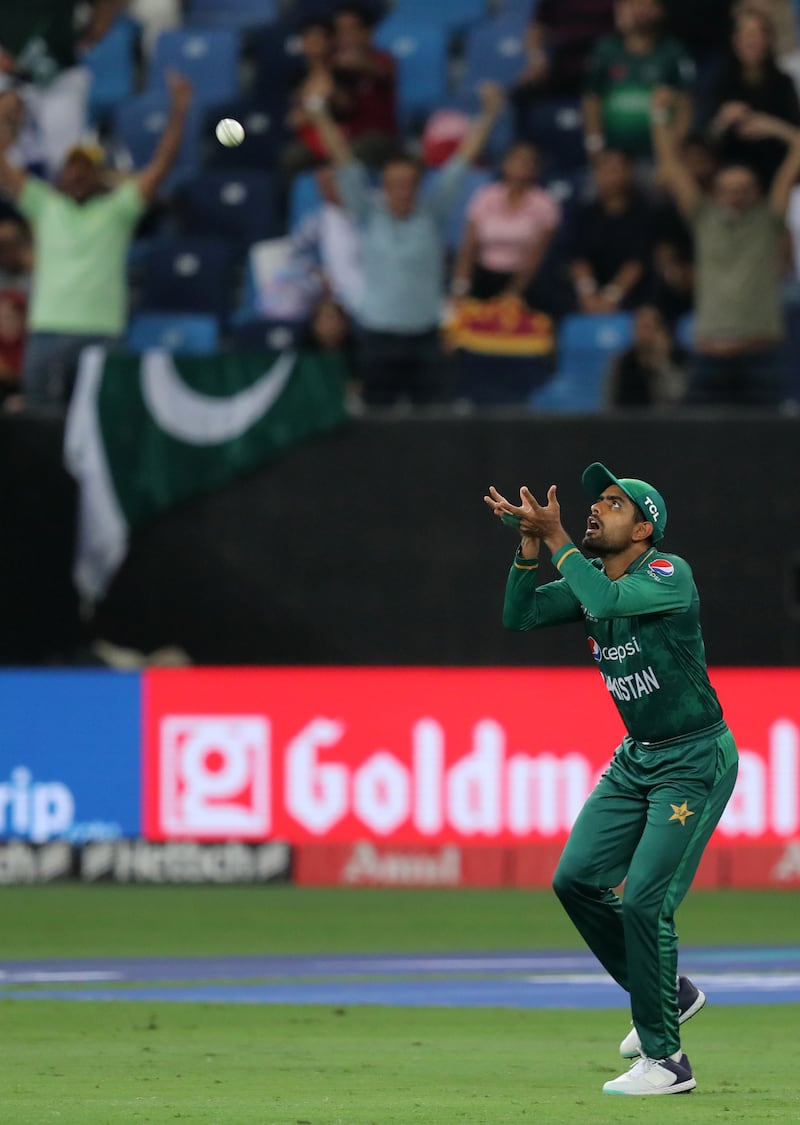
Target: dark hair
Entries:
(767, 26)
(519, 146)
(400, 157)
(696, 139)
(640, 517)
(312, 23)
(366, 16)
(618, 152)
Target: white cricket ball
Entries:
(230, 132)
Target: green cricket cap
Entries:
(597, 477)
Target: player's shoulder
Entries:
(662, 565)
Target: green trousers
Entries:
(646, 822)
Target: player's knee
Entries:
(638, 903)
(566, 879)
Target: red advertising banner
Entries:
(433, 757)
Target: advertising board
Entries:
(463, 756)
(70, 751)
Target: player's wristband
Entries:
(510, 521)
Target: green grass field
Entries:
(151, 1063)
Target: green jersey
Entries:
(643, 630)
(624, 83)
(40, 35)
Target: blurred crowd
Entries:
(630, 163)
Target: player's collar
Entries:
(642, 559)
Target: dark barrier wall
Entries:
(374, 545)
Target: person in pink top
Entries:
(509, 227)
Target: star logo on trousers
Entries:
(680, 812)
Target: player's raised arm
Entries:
(527, 605)
(677, 178)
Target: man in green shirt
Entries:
(655, 807)
(623, 71)
(81, 233)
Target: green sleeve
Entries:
(127, 200)
(34, 197)
(527, 607)
(597, 69)
(630, 596)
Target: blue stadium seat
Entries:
(189, 333)
(304, 198)
(236, 15)
(269, 335)
(138, 125)
(585, 346)
(684, 332)
(498, 380)
(188, 275)
(421, 53)
(264, 133)
(450, 15)
(494, 51)
(306, 9)
(523, 10)
(569, 189)
(275, 56)
(236, 203)
(476, 178)
(111, 64)
(556, 128)
(210, 59)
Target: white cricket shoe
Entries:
(654, 1076)
(690, 1000)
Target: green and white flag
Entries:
(146, 432)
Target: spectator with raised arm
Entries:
(401, 235)
(510, 225)
(82, 231)
(613, 240)
(752, 83)
(739, 239)
(367, 78)
(558, 41)
(624, 70)
(316, 81)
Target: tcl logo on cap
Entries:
(661, 568)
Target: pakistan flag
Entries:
(146, 432)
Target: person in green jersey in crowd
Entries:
(623, 71)
(654, 809)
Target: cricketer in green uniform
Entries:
(655, 807)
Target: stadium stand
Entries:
(243, 60)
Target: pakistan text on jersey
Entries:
(635, 685)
